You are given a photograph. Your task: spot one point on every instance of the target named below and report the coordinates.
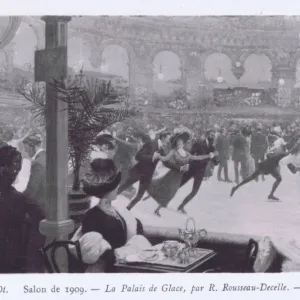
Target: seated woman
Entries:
(12, 209)
(116, 226)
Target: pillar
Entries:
(197, 88)
(283, 80)
(131, 81)
(52, 63)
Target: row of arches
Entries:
(167, 66)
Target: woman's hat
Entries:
(105, 139)
(185, 136)
(102, 178)
(277, 129)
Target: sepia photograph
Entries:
(149, 144)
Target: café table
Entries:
(198, 265)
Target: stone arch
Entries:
(79, 50)
(219, 63)
(267, 53)
(208, 53)
(21, 49)
(174, 77)
(119, 42)
(181, 55)
(257, 72)
(38, 28)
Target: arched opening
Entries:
(257, 71)
(78, 56)
(218, 70)
(167, 79)
(24, 45)
(115, 66)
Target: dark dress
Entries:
(271, 163)
(113, 230)
(12, 214)
(163, 189)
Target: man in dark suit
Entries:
(35, 195)
(222, 146)
(143, 171)
(239, 154)
(197, 169)
(259, 146)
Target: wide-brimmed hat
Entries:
(105, 139)
(185, 136)
(102, 178)
(277, 129)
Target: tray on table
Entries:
(167, 264)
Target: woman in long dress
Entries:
(163, 189)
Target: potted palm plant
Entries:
(93, 106)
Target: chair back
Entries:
(251, 254)
(49, 256)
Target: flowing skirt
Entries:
(163, 188)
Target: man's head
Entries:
(165, 137)
(152, 134)
(223, 131)
(32, 144)
(210, 135)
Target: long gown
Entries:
(164, 188)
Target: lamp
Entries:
(238, 64)
(160, 75)
(281, 81)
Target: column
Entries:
(131, 81)
(52, 63)
(283, 80)
(197, 88)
